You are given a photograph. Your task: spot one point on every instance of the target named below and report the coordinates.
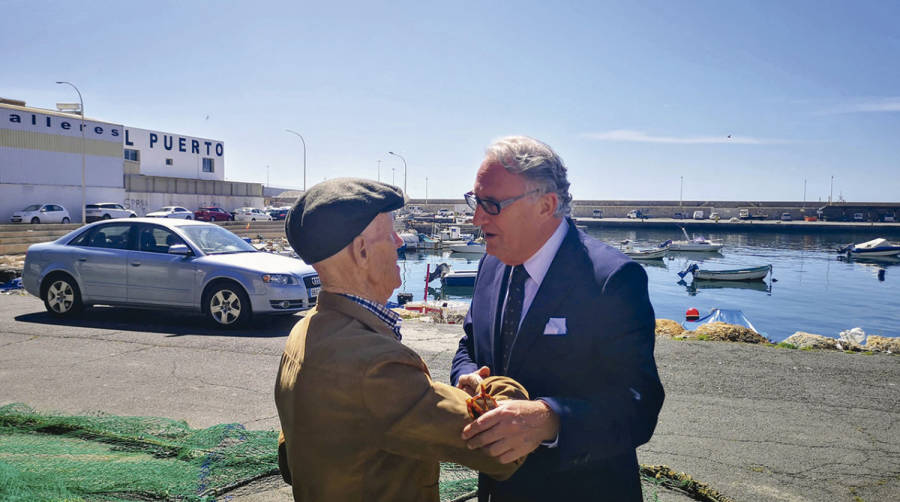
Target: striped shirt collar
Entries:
(391, 318)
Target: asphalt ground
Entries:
(754, 423)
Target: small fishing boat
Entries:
(738, 274)
(645, 254)
(470, 247)
(452, 278)
(875, 247)
(698, 243)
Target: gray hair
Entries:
(537, 163)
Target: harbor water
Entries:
(813, 290)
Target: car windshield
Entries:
(92, 206)
(33, 207)
(212, 239)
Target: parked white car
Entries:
(251, 214)
(41, 213)
(107, 210)
(171, 212)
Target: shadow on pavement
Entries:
(171, 323)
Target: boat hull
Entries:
(695, 246)
(468, 248)
(655, 254)
(882, 251)
(744, 274)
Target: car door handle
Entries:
(82, 259)
(135, 264)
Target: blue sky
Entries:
(632, 95)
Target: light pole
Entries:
(379, 170)
(392, 176)
(404, 171)
(426, 190)
(81, 102)
(267, 175)
(831, 194)
(804, 192)
(681, 191)
(304, 155)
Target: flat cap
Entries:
(331, 214)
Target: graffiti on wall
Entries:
(137, 205)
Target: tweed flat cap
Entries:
(331, 214)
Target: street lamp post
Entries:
(379, 170)
(681, 192)
(304, 155)
(426, 190)
(83, 197)
(404, 171)
(392, 176)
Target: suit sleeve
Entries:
(464, 360)
(423, 419)
(623, 412)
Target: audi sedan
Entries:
(165, 264)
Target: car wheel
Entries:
(132, 215)
(106, 216)
(227, 305)
(61, 296)
(189, 218)
(35, 220)
(252, 219)
(212, 218)
(66, 220)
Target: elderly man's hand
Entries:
(471, 381)
(512, 430)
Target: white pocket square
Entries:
(555, 326)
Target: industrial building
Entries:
(41, 155)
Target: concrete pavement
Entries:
(755, 423)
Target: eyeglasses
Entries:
(493, 207)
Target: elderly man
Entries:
(360, 416)
(570, 318)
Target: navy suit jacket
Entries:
(599, 377)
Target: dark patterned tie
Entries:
(512, 313)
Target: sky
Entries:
(761, 100)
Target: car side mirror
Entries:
(180, 249)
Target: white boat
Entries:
(645, 254)
(695, 244)
(738, 274)
(470, 247)
(410, 240)
(875, 247)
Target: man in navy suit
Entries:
(570, 318)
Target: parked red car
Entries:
(212, 214)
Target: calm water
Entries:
(813, 292)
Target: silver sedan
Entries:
(166, 263)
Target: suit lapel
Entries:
(555, 288)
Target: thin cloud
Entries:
(873, 106)
(629, 136)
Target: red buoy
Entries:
(692, 314)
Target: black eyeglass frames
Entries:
(493, 207)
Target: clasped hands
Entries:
(513, 429)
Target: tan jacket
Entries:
(361, 418)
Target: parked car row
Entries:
(56, 213)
